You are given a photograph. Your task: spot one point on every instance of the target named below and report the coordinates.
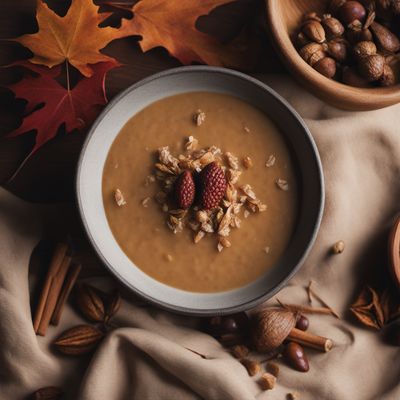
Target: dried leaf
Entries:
(76, 108)
(75, 38)
(78, 340)
(172, 24)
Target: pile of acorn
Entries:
(355, 42)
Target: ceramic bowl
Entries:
(284, 18)
(189, 79)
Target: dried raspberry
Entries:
(212, 186)
(184, 190)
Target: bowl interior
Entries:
(284, 17)
(182, 80)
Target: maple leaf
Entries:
(76, 37)
(171, 24)
(76, 107)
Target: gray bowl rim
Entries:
(239, 75)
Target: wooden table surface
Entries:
(49, 174)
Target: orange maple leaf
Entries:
(76, 37)
(172, 24)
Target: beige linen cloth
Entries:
(146, 358)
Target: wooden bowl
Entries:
(284, 18)
(394, 251)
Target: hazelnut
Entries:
(364, 48)
(333, 27)
(388, 77)
(314, 31)
(302, 323)
(310, 50)
(326, 66)
(371, 67)
(352, 78)
(253, 367)
(337, 49)
(356, 33)
(338, 247)
(267, 381)
(385, 39)
(351, 11)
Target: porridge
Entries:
(200, 192)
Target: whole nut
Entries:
(371, 67)
(333, 27)
(338, 247)
(388, 77)
(364, 48)
(337, 49)
(351, 11)
(385, 39)
(296, 357)
(302, 323)
(351, 77)
(326, 66)
(309, 50)
(314, 31)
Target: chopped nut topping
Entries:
(247, 162)
(282, 184)
(246, 213)
(220, 247)
(338, 247)
(253, 367)
(191, 143)
(199, 117)
(202, 216)
(145, 202)
(168, 257)
(225, 242)
(233, 175)
(267, 249)
(233, 161)
(150, 179)
(161, 197)
(165, 207)
(293, 396)
(271, 161)
(247, 189)
(246, 129)
(119, 198)
(198, 236)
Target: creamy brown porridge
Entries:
(246, 145)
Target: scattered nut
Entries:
(293, 396)
(267, 381)
(240, 351)
(247, 162)
(199, 117)
(338, 247)
(282, 184)
(145, 202)
(271, 161)
(253, 367)
(273, 368)
(119, 198)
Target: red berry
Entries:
(184, 190)
(212, 186)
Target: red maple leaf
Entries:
(75, 107)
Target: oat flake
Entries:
(271, 161)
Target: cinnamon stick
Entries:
(69, 283)
(56, 282)
(55, 264)
(309, 339)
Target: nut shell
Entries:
(371, 67)
(384, 38)
(314, 31)
(271, 327)
(364, 48)
(337, 49)
(333, 27)
(326, 66)
(388, 77)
